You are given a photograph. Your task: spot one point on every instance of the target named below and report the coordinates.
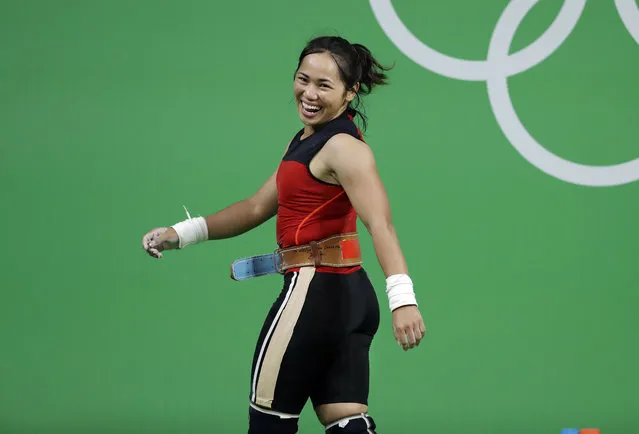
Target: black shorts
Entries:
(315, 342)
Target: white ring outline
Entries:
(477, 70)
(629, 14)
(500, 65)
(520, 138)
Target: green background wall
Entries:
(114, 114)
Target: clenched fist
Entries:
(159, 239)
(408, 327)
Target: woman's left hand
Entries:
(408, 327)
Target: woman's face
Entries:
(319, 90)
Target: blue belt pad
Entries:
(255, 266)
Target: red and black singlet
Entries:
(310, 209)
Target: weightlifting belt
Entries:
(341, 250)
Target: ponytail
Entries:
(372, 74)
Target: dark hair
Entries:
(356, 65)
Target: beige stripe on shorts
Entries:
(281, 337)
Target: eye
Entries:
(325, 86)
(302, 79)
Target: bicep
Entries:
(265, 198)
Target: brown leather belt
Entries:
(341, 250)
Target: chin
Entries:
(310, 121)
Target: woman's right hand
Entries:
(159, 239)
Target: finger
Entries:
(155, 253)
(146, 240)
(422, 328)
(159, 239)
(153, 238)
(418, 334)
(400, 337)
(405, 344)
(149, 238)
(157, 244)
(411, 336)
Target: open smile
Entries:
(310, 110)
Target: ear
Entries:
(350, 94)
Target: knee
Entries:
(270, 423)
(356, 424)
(328, 413)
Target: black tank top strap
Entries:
(303, 150)
(295, 142)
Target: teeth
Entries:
(310, 107)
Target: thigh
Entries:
(346, 378)
(289, 354)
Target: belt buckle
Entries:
(316, 253)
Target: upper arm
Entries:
(264, 199)
(353, 165)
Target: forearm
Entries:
(387, 248)
(236, 219)
(399, 286)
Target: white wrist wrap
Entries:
(399, 288)
(191, 231)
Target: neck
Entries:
(308, 130)
(312, 129)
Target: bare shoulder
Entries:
(346, 141)
(345, 149)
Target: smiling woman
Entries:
(316, 338)
(340, 72)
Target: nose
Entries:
(310, 92)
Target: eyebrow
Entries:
(321, 80)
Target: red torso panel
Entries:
(310, 209)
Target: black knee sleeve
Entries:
(264, 423)
(361, 423)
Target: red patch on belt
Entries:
(350, 249)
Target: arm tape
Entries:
(399, 289)
(191, 231)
